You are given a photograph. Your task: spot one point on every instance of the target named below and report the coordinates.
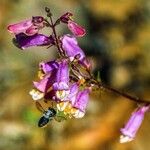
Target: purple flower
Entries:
(72, 50)
(134, 123)
(62, 76)
(23, 41)
(76, 29)
(70, 99)
(44, 86)
(74, 88)
(28, 27)
(81, 103)
(61, 86)
(47, 67)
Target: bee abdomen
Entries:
(43, 121)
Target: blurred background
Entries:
(117, 43)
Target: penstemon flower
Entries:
(48, 77)
(76, 29)
(28, 27)
(23, 41)
(73, 51)
(61, 86)
(134, 123)
(67, 81)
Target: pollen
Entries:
(40, 74)
(61, 94)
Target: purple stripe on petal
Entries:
(48, 66)
(25, 41)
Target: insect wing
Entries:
(39, 107)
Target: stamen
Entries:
(124, 139)
(36, 95)
(62, 94)
(40, 74)
(62, 106)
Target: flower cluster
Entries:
(59, 82)
(66, 82)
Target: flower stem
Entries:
(55, 36)
(108, 88)
(129, 97)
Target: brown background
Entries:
(117, 43)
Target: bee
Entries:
(47, 115)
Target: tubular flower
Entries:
(70, 98)
(44, 86)
(76, 29)
(61, 86)
(23, 41)
(81, 103)
(134, 123)
(77, 103)
(28, 27)
(73, 51)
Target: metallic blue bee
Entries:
(47, 115)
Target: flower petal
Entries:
(25, 41)
(76, 29)
(71, 47)
(47, 67)
(20, 27)
(28, 27)
(46, 83)
(132, 126)
(73, 51)
(62, 77)
(82, 100)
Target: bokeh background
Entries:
(117, 43)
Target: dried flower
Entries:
(66, 17)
